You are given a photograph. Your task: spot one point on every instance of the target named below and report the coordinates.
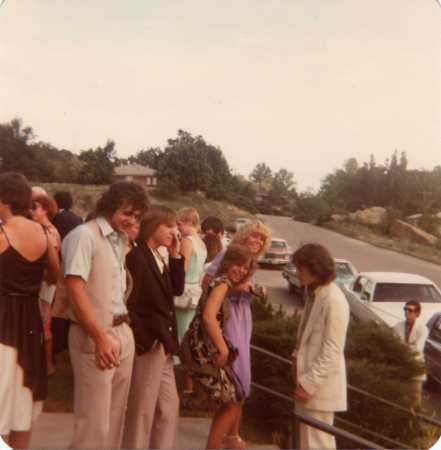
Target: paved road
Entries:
(364, 256)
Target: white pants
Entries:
(17, 408)
(312, 438)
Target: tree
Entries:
(261, 174)
(98, 164)
(148, 157)
(195, 165)
(15, 150)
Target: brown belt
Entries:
(118, 320)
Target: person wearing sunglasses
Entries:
(413, 332)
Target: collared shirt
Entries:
(408, 330)
(78, 249)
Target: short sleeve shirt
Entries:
(78, 249)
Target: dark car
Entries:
(432, 349)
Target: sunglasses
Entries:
(406, 309)
(34, 206)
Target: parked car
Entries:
(277, 254)
(346, 273)
(381, 296)
(240, 222)
(432, 349)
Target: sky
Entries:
(298, 84)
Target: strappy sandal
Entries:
(234, 441)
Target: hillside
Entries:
(85, 197)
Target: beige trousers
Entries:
(100, 396)
(312, 438)
(153, 408)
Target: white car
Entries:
(278, 253)
(345, 271)
(381, 296)
(240, 222)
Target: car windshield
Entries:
(343, 270)
(278, 244)
(397, 292)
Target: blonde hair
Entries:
(189, 215)
(245, 231)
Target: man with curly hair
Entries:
(101, 343)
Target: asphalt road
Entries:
(364, 256)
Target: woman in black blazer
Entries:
(153, 404)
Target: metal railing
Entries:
(339, 432)
(422, 417)
(308, 420)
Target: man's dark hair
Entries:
(214, 224)
(16, 192)
(416, 304)
(119, 194)
(317, 259)
(63, 199)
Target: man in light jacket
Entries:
(319, 368)
(413, 332)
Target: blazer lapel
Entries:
(315, 311)
(156, 272)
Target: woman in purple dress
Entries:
(257, 237)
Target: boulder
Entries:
(404, 230)
(338, 217)
(370, 216)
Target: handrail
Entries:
(330, 429)
(396, 444)
(423, 417)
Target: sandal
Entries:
(234, 441)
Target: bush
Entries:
(377, 361)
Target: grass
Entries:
(85, 197)
(375, 237)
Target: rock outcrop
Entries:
(370, 216)
(404, 230)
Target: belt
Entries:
(118, 320)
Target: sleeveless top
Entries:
(18, 275)
(197, 261)
(20, 320)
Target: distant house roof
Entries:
(134, 170)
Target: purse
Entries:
(189, 298)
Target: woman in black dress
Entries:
(26, 258)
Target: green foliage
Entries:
(391, 185)
(377, 361)
(311, 208)
(167, 188)
(261, 174)
(98, 164)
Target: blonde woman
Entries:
(257, 238)
(195, 253)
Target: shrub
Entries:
(377, 361)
